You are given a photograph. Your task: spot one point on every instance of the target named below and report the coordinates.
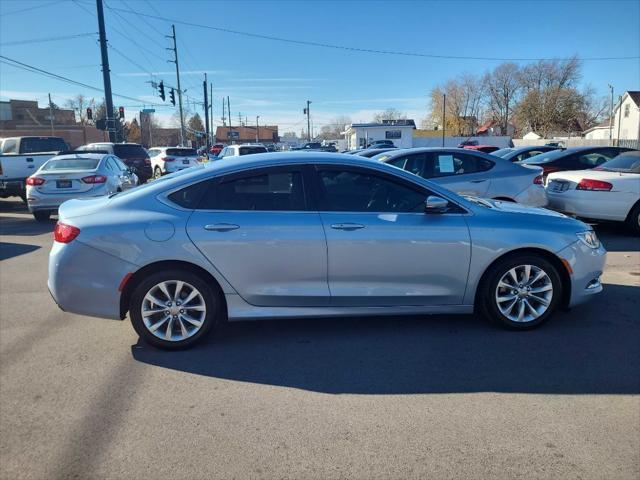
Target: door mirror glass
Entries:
(435, 204)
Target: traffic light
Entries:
(121, 112)
(89, 114)
(161, 90)
(304, 110)
(172, 96)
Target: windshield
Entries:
(251, 150)
(502, 152)
(129, 151)
(627, 163)
(72, 164)
(163, 178)
(42, 144)
(182, 152)
(546, 156)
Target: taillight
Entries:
(168, 159)
(35, 181)
(94, 179)
(594, 185)
(64, 233)
(538, 180)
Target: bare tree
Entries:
(463, 104)
(389, 114)
(79, 105)
(503, 86)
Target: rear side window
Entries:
(271, 191)
(182, 152)
(190, 196)
(252, 150)
(129, 151)
(446, 164)
(43, 144)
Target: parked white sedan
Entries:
(166, 160)
(608, 192)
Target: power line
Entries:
(31, 68)
(362, 50)
(29, 8)
(47, 39)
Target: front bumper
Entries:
(85, 280)
(533, 196)
(587, 265)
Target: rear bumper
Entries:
(85, 281)
(594, 205)
(587, 265)
(37, 201)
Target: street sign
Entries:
(148, 110)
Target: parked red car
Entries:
(216, 148)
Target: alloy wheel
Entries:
(524, 293)
(173, 310)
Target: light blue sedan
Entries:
(312, 235)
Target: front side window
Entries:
(355, 191)
(446, 164)
(594, 159)
(270, 191)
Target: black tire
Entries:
(210, 296)
(157, 173)
(42, 216)
(633, 219)
(486, 298)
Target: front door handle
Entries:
(221, 227)
(480, 180)
(347, 226)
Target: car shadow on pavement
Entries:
(24, 226)
(10, 250)
(617, 237)
(591, 350)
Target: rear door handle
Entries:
(221, 227)
(347, 226)
(480, 180)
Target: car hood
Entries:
(512, 207)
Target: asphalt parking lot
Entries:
(438, 397)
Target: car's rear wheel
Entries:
(173, 309)
(157, 173)
(633, 219)
(520, 292)
(42, 216)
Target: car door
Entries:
(258, 229)
(383, 249)
(463, 173)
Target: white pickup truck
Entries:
(20, 157)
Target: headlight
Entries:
(589, 238)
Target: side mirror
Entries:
(435, 204)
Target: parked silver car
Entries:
(75, 175)
(468, 172)
(312, 235)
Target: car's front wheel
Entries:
(173, 309)
(520, 292)
(633, 219)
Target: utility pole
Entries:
(224, 114)
(444, 115)
(257, 129)
(619, 118)
(175, 60)
(211, 110)
(229, 116)
(611, 118)
(106, 75)
(308, 121)
(51, 114)
(206, 112)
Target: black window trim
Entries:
(318, 188)
(431, 161)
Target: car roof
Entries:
(403, 151)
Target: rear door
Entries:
(259, 230)
(463, 173)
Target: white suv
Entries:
(171, 159)
(244, 149)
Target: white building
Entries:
(400, 132)
(626, 117)
(599, 132)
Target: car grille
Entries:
(558, 186)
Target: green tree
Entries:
(195, 128)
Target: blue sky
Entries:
(274, 79)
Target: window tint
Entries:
(252, 150)
(266, 192)
(182, 152)
(9, 146)
(44, 144)
(128, 151)
(446, 164)
(111, 165)
(189, 197)
(72, 164)
(120, 164)
(593, 159)
(352, 191)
